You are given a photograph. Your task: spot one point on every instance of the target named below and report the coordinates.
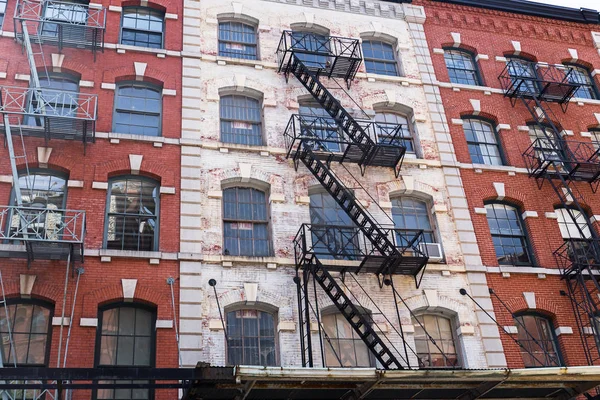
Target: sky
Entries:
(593, 4)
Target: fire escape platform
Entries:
(61, 24)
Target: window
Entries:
(71, 13)
(345, 348)
(30, 327)
(440, 330)
(237, 40)
(386, 124)
(2, 11)
(582, 77)
(380, 58)
(332, 231)
(411, 215)
(142, 27)
(523, 71)
(132, 214)
(138, 109)
(311, 48)
(251, 336)
(241, 120)
(125, 338)
(315, 121)
(462, 67)
(482, 142)
(508, 235)
(574, 229)
(545, 144)
(59, 92)
(535, 334)
(595, 138)
(245, 222)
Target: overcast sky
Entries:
(593, 4)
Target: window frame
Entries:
(396, 60)
(591, 82)
(495, 133)
(258, 307)
(551, 328)
(531, 67)
(332, 311)
(156, 244)
(472, 58)
(150, 9)
(44, 172)
(260, 123)
(34, 302)
(33, 119)
(266, 222)
(144, 85)
(457, 348)
(524, 234)
(153, 337)
(430, 215)
(410, 128)
(242, 22)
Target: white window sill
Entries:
(139, 138)
(474, 88)
(495, 168)
(387, 78)
(141, 49)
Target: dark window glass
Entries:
(482, 142)
(508, 235)
(142, 27)
(581, 76)
(251, 335)
(132, 214)
(536, 335)
(60, 100)
(386, 124)
(2, 11)
(315, 121)
(241, 120)
(30, 327)
(523, 74)
(138, 110)
(545, 144)
(311, 48)
(72, 12)
(411, 215)
(237, 40)
(333, 233)
(344, 347)
(245, 222)
(440, 330)
(379, 58)
(595, 138)
(126, 338)
(461, 67)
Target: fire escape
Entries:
(37, 230)
(564, 165)
(368, 247)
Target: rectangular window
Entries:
(138, 109)
(582, 77)
(237, 40)
(241, 120)
(482, 143)
(245, 222)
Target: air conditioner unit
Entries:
(434, 250)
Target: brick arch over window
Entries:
(579, 63)
(257, 177)
(460, 47)
(57, 162)
(391, 99)
(522, 54)
(151, 169)
(311, 27)
(239, 84)
(159, 5)
(409, 186)
(487, 193)
(272, 300)
(484, 115)
(151, 75)
(114, 294)
(43, 291)
(543, 304)
(74, 68)
(455, 308)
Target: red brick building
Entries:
(101, 135)
(520, 93)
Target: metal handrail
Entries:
(48, 103)
(578, 254)
(64, 13)
(570, 153)
(541, 75)
(332, 46)
(42, 225)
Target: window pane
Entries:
(138, 110)
(482, 143)
(142, 27)
(347, 346)
(461, 67)
(251, 336)
(535, 334)
(237, 40)
(245, 229)
(379, 58)
(412, 215)
(442, 353)
(508, 235)
(241, 120)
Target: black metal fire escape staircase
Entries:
(354, 142)
(564, 164)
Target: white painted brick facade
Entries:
(206, 165)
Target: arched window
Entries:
(508, 235)
(536, 334)
(241, 121)
(411, 215)
(142, 26)
(333, 233)
(386, 123)
(70, 13)
(58, 89)
(138, 109)
(482, 141)
(344, 347)
(380, 58)
(251, 338)
(245, 222)
(311, 48)
(525, 70)
(582, 76)
(30, 324)
(237, 40)
(126, 337)
(462, 67)
(132, 212)
(443, 353)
